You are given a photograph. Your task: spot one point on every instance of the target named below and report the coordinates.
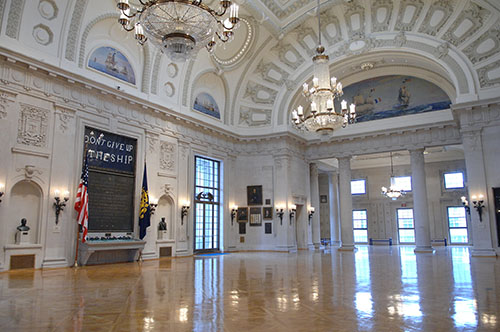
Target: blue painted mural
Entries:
(206, 104)
(395, 95)
(112, 62)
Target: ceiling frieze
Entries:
(468, 22)
(409, 11)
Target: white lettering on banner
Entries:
(119, 158)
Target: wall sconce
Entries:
(153, 204)
(310, 213)
(478, 205)
(280, 213)
(184, 211)
(465, 203)
(60, 204)
(293, 209)
(234, 211)
(2, 187)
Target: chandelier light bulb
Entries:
(305, 88)
(333, 80)
(123, 4)
(300, 110)
(352, 109)
(314, 107)
(329, 104)
(339, 87)
(343, 105)
(315, 82)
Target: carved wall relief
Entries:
(167, 156)
(32, 127)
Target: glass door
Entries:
(406, 226)
(207, 204)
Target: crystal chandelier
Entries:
(179, 28)
(393, 192)
(322, 116)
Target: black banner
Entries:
(109, 151)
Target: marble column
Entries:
(420, 204)
(333, 201)
(345, 198)
(314, 184)
(476, 183)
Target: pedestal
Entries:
(162, 235)
(22, 237)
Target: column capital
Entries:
(416, 150)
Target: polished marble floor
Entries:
(375, 289)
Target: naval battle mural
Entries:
(395, 95)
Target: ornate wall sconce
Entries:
(280, 213)
(465, 203)
(234, 211)
(2, 187)
(478, 205)
(310, 213)
(153, 204)
(184, 211)
(293, 209)
(60, 204)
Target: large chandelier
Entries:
(322, 116)
(179, 28)
(393, 192)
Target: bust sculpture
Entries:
(23, 226)
(162, 225)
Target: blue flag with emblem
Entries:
(145, 209)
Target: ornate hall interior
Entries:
(284, 165)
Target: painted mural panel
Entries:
(112, 62)
(394, 95)
(206, 104)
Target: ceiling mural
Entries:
(394, 95)
(112, 62)
(206, 104)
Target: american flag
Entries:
(82, 200)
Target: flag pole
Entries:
(77, 244)
(86, 146)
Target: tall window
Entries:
(402, 182)
(458, 224)
(406, 226)
(358, 187)
(454, 180)
(360, 226)
(207, 202)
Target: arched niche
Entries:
(25, 202)
(165, 209)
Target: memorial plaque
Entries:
(111, 202)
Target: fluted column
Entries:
(333, 201)
(314, 184)
(345, 197)
(420, 205)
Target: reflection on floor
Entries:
(375, 289)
